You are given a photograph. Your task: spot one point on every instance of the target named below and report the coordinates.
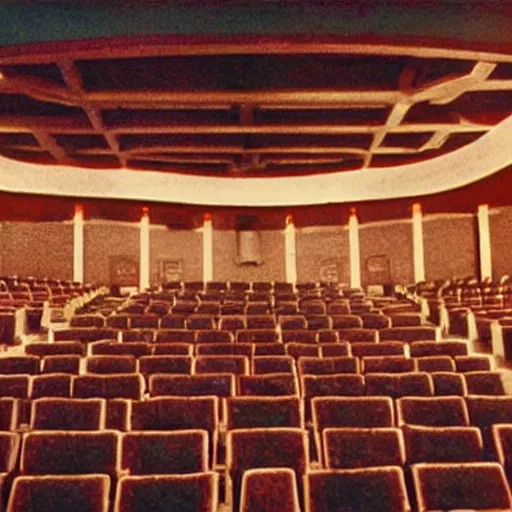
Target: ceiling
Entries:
(251, 106)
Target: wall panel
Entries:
(323, 254)
(451, 246)
(175, 253)
(225, 265)
(500, 225)
(386, 252)
(39, 249)
(106, 242)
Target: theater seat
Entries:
(259, 411)
(346, 448)
(60, 493)
(237, 365)
(149, 365)
(442, 444)
(485, 383)
(68, 414)
(502, 437)
(263, 448)
(185, 349)
(388, 348)
(473, 363)
(133, 348)
(157, 453)
(455, 486)
(27, 365)
(220, 384)
(439, 348)
(443, 411)
(59, 347)
(449, 384)
(270, 384)
(130, 385)
(327, 365)
(8, 414)
(356, 490)
(111, 364)
(179, 413)
(387, 364)
(435, 364)
(273, 364)
(397, 385)
(9, 452)
(269, 490)
(70, 453)
(61, 364)
(197, 492)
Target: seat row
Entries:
(213, 319)
(145, 467)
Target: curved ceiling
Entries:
(306, 120)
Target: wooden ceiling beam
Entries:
(170, 45)
(48, 143)
(74, 81)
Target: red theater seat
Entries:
(160, 453)
(409, 334)
(129, 385)
(261, 322)
(197, 492)
(68, 414)
(273, 364)
(237, 365)
(267, 349)
(58, 348)
(397, 385)
(439, 348)
(269, 490)
(473, 363)
(175, 336)
(111, 364)
(388, 348)
(220, 384)
(346, 322)
(485, 383)
(272, 384)
(456, 486)
(16, 386)
(61, 364)
(449, 383)
(257, 411)
(214, 337)
(173, 321)
(445, 411)
(224, 349)
(263, 448)
(435, 364)
(298, 350)
(351, 448)
(51, 384)
(28, 365)
(357, 490)
(8, 415)
(185, 349)
(70, 453)
(299, 336)
(328, 365)
(149, 365)
(387, 364)
(257, 336)
(133, 348)
(60, 493)
(341, 349)
(443, 444)
(179, 413)
(95, 320)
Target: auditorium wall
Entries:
(322, 253)
(225, 266)
(111, 248)
(175, 255)
(500, 224)
(450, 244)
(386, 252)
(41, 249)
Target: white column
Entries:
(289, 249)
(484, 242)
(207, 248)
(78, 244)
(355, 262)
(417, 243)
(144, 250)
